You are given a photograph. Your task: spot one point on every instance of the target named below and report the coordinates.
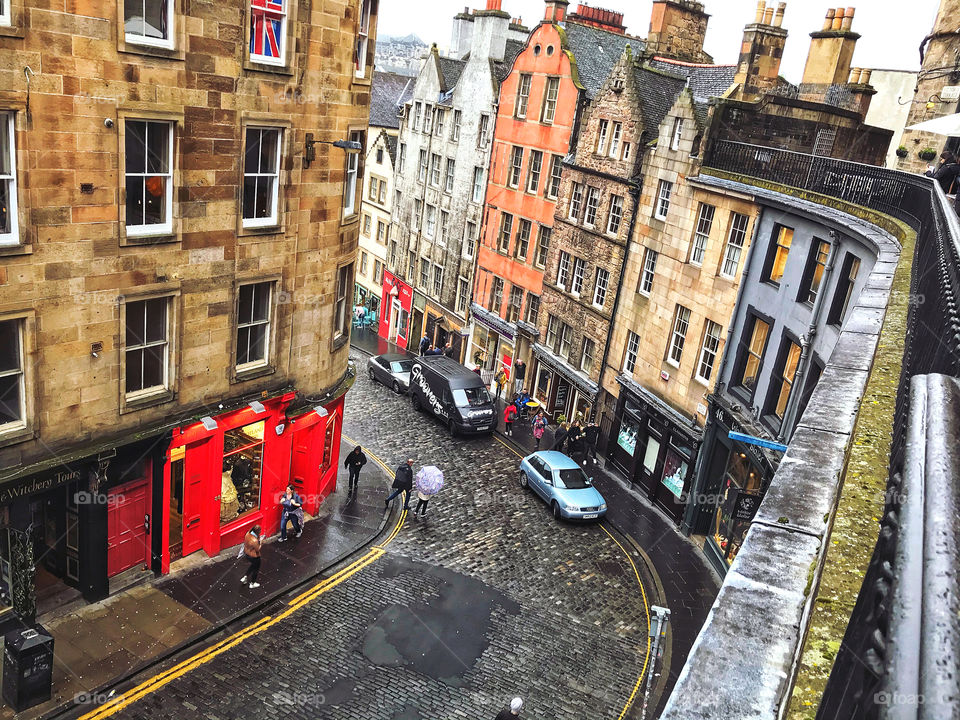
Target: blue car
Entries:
(563, 484)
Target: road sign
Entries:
(751, 440)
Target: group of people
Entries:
(580, 439)
(403, 483)
(428, 348)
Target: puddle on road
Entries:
(443, 639)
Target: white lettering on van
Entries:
(417, 375)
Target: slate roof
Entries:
(658, 92)
(451, 70)
(388, 91)
(596, 52)
(391, 143)
(706, 81)
(502, 69)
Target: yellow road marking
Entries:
(158, 681)
(643, 592)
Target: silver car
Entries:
(391, 369)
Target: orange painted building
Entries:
(565, 61)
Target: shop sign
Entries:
(563, 391)
(721, 416)
(745, 507)
(38, 485)
(751, 440)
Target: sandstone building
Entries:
(177, 242)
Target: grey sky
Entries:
(891, 32)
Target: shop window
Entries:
(777, 256)
(844, 291)
(148, 177)
(650, 454)
(261, 176)
(242, 472)
(253, 324)
(627, 435)
(9, 231)
(674, 473)
(145, 22)
(268, 31)
(146, 346)
(751, 354)
(12, 390)
(738, 501)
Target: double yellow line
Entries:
(158, 681)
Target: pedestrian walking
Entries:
(575, 440)
(516, 705)
(519, 373)
(292, 511)
(251, 549)
(448, 349)
(539, 425)
(591, 434)
(501, 379)
(429, 482)
(424, 344)
(402, 483)
(421, 507)
(509, 415)
(354, 461)
(560, 436)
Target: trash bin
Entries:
(27, 667)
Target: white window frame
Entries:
(441, 115)
(164, 228)
(533, 171)
(732, 252)
(417, 116)
(20, 373)
(531, 316)
(549, 111)
(506, 228)
(363, 263)
(592, 207)
(401, 157)
(165, 382)
(435, 169)
(128, 37)
(576, 201)
(363, 38)
(265, 360)
(563, 270)
(13, 236)
(516, 167)
(463, 291)
(449, 175)
(281, 58)
(523, 95)
(678, 337)
(600, 286)
(709, 348)
(469, 235)
(427, 118)
(627, 149)
(631, 353)
(523, 239)
(662, 201)
(483, 130)
(648, 272)
(602, 129)
(351, 177)
(553, 184)
(615, 139)
(430, 225)
(701, 233)
(543, 249)
(437, 280)
(274, 217)
(341, 314)
(616, 213)
(455, 128)
(478, 184)
(6, 13)
(444, 228)
(576, 281)
(677, 134)
(417, 212)
(424, 273)
(423, 166)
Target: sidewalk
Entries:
(689, 585)
(369, 342)
(98, 645)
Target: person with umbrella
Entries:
(429, 483)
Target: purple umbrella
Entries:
(429, 480)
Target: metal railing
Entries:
(876, 669)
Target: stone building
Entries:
(441, 168)
(936, 92)
(177, 245)
(564, 64)
(889, 108)
(388, 94)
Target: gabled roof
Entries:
(596, 52)
(450, 71)
(391, 142)
(706, 81)
(388, 93)
(658, 92)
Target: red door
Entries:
(126, 527)
(194, 473)
(304, 466)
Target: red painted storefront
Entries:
(219, 482)
(395, 310)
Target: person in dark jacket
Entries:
(946, 172)
(251, 551)
(591, 434)
(575, 440)
(402, 483)
(513, 712)
(293, 511)
(353, 462)
(560, 436)
(424, 344)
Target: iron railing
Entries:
(870, 677)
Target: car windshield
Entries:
(402, 366)
(573, 479)
(471, 397)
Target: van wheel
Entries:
(452, 426)
(396, 387)
(373, 378)
(556, 510)
(416, 402)
(524, 481)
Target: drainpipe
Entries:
(790, 418)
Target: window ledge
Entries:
(134, 48)
(158, 239)
(143, 402)
(17, 30)
(258, 231)
(698, 379)
(340, 340)
(10, 250)
(365, 80)
(16, 434)
(257, 66)
(672, 363)
(252, 373)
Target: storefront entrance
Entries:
(128, 511)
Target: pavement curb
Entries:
(66, 707)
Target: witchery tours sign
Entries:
(38, 483)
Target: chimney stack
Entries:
(759, 67)
(677, 31)
(490, 29)
(556, 11)
(831, 50)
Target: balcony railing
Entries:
(900, 655)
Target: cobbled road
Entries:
(486, 598)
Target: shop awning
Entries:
(677, 418)
(527, 329)
(493, 321)
(576, 378)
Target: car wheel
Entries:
(524, 480)
(370, 372)
(452, 426)
(556, 510)
(416, 403)
(396, 387)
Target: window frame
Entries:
(274, 219)
(744, 352)
(631, 353)
(543, 249)
(591, 207)
(615, 212)
(584, 355)
(483, 130)
(552, 190)
(661, 205)
(25, 328)
(531, 316)
(714, 352)
(814, 271)
(515, 169)
(353, 166)
(478, 184)
(534, 168)
(455, 126)
(505, 232)
(732, 227)
(576, 201)
(678, 335)
(601, 288)
(564, 267)
(844, 289)
(603, 129)
(240, 370)
(363, 39)
(158, 394)
(448, 176)
(13, 238)
(143, 41)
(616, 136)
(577, 276)
(701, 233)
(435, 175)
(265, 62)
(775, 385)
(677, 133)
(648, 272)
(514, 303)
(341, 305)
(437, 280)
(778, 254)
(523, 240)
(522, 101)
(496, 295)
(464, 285)
(550, 103)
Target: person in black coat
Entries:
(591, 434)
(946, 172)
(402, 483)
(575, 440)
(560, 437)
(354, 461)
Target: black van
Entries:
(453, 393)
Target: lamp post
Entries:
(351, 147)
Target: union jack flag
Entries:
(266, 27)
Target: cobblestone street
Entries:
(486, 598)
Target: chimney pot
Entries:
(848, 19)
(828, 21)
(761, 8)
(768, 16)
(778, 16)
(865, 76)
(837, 19)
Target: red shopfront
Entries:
(395, 309)
(220, 481)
